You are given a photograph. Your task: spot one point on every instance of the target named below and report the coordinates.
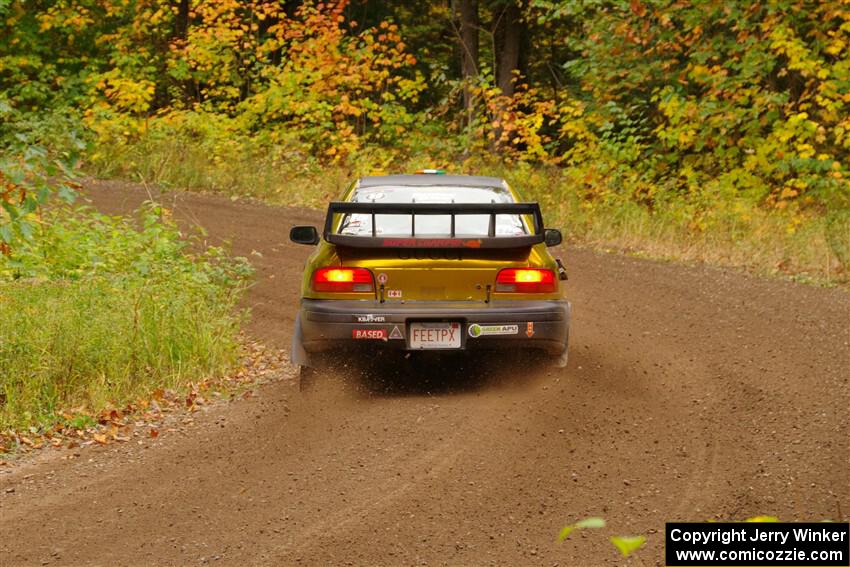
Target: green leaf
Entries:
(34, 153)
(591, 523)
(628, 544)
(26, 230)
(66, 193)
(6, 233)
(763, 519)
(11, 209)
(586, 523)
(29, 205)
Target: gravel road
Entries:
(691, 393)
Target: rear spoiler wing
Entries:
(448, 209)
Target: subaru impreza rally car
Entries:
(431, 262)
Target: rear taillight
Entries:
(525, 280)
(343, 280)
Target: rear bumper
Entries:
(325, 325)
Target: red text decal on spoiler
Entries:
(430, 243)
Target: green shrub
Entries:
(96, 311)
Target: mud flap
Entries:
(561, 361)
(299, 356)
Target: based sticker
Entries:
(380, 334)
(529, 329)
(396, 333)
(394, 293)
(370, 318)
(476, 330)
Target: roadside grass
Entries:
(97, 311)
(809, 246)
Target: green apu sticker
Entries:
(475, 330)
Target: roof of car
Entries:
(429, 179)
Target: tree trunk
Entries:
(508, 58)
(469, 24)
(181, 19)
(179, 33)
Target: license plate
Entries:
(434, 335)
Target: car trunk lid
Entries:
(434, 274)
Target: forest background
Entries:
(697, 130)
(701, 130)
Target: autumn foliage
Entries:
(709, 114)
(306, 77)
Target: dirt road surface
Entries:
(690, 394)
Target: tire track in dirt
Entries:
(691, 393)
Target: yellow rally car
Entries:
(431, 262)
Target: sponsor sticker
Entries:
(475, 330)
(382, 278)
(380, 334)
(396, 333)
(374, 196)
(370, 318)
(529, 329)
(431, 243)
(394, 294)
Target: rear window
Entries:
(358, 224)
